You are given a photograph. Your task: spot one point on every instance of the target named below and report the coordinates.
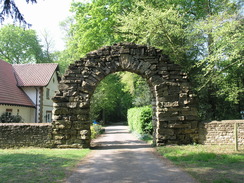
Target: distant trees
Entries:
(18, 46)
(116, 94)
(110, 101)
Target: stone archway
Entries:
(174, 112)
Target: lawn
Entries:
(38, 165)
(208, 163)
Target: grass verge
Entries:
(208, 163)
(38, 165)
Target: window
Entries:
(47, 93)
(49, 116)
(9, 111)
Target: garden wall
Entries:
(221, 132)
(25, 135)
(39, 134)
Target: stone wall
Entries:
(221, 132)
(25, 135)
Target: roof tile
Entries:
(10, 93)
(34, 74)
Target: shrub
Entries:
(140, 119)
(96, 130)
(9, 118)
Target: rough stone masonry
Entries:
(174, 111)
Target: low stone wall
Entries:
(25, 135)
(39, 134)
(221, 132)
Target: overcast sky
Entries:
(46, 16)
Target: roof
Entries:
(34, 74)
(10, 93)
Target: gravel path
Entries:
(119, 157)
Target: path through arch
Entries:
(174, 111)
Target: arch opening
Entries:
(115, 94)
(174, 110)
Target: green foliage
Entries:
(110, 101)
(19, 46)
(138, 88)
(222, 64)
(63, 59)
(39, 165)
(116, 94)
(9, 118)
(140, 119)
(162, 27)
(96, 129)
(94, 26)
(204, 37)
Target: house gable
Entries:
(10, 93)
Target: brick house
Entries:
(27, 89)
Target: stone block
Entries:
(166, 131)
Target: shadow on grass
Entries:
(27, 168)
(209, 167)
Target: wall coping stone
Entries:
(225, 121)
(25, 124)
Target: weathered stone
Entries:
(172, 101)
(15, 135)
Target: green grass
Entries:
(38, 165)
(208, 163)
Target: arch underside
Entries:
(174, 110)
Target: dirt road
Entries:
(120, 158)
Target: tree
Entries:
(48, 44)
(18, 45)
(138, 88)
(110, 101)
(163, 28)
(205, 37)
(220, 75)
(9, 8)
(95, 25)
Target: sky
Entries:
(46, 15)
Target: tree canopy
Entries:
(18, 46)
(204, 37)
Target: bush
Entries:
(140, 119)
(9, 118)
(96, 130)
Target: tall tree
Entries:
(207, 37)
(155, 26)
(95, 25)
(18, 45)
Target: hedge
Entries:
(140, 119)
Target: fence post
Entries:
(236, 135)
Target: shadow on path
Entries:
(119, 157)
